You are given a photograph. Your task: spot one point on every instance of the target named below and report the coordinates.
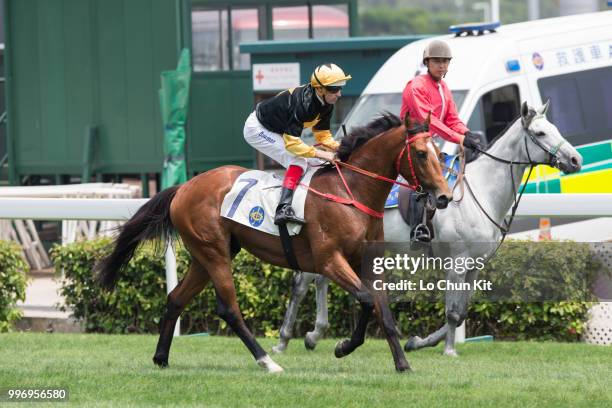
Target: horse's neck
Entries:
(491, 180)
(379, 158)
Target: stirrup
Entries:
(420, 234)
(285, 214)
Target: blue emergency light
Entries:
(513, 65)
(474, 28)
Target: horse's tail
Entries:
(151, 221)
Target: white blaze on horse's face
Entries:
(548, 136)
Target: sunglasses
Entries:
(333, 89)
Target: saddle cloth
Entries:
(253, 199)
(452, 164)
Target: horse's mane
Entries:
(360, 135)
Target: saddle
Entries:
(407, 206)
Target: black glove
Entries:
(471, 140)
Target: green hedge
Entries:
(263, 292)
(13, 282)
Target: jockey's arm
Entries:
(421, 106)
(291, 137)
(325, 139)
(323, 135)
(296, 146)
(294, 128)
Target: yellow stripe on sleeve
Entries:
(325, 138)
(296, 146)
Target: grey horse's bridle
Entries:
(553, 162)
(552, 152)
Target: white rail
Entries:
(565, 205)
(532, 206)
(49, 209)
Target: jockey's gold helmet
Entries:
(328, 75)
(437, 49)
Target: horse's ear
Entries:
(545, 107)
(526, 115)
(428, 120)
(524, 109)
(407, 122)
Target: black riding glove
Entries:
(471, 141)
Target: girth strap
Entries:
(288, 247)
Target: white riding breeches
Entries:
(271, 144)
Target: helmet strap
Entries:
(320, 97)
(317, 78)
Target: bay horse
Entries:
(472, 221)
(330, 243)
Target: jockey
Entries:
(276, 125)
(429, 93)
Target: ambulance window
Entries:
(580, 104)
(495, 110)
(476, 122)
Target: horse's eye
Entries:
(540, 133)
(422, 154)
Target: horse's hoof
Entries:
(403, 368)
(279, 348)
(450, 353)
(269, 364)
(161, 361)
(339, 351)
(411, 344)
(309, 341)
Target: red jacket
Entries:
(421, 96)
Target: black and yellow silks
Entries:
(289, 112)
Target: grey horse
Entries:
(468, 223)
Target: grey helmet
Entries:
(437, 49)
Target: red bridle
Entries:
(363, 207)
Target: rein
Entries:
(360, 206)
(507, 221)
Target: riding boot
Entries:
(284, 211)
(419, 232)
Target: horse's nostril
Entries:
(574, 161)
(442, 202)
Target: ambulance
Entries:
(496, 67)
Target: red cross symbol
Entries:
(259, 76)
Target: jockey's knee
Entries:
(299, 161)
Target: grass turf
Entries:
(219, 371)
